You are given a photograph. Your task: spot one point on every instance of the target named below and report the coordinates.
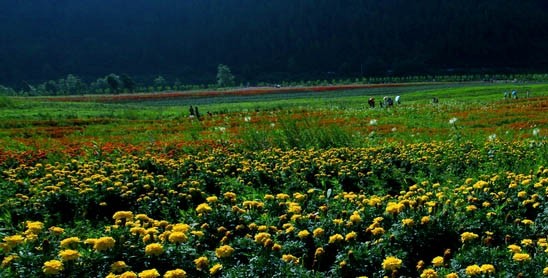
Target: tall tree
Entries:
(224, 76)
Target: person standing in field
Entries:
(371, 102)
(397, 100)
(191, 111)
(514, 94)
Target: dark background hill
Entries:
(268, 40)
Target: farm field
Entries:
(277, 183)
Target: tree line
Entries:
(124, 84)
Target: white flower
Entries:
(220, 128)
(394, 129)
(536, 131)
(373, 122)
(492, 137)
(452, 120)
(247, 119)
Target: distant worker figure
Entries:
(505, 94)
(196, 113)
(371, 102)
(191, 111)
(514, 94)
(527, 94)
(389, 102)
(435, 100)
(384, 103)
(397, 100)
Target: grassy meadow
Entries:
(304, 183)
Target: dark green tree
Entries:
(114, 83)
(225, 78)
(127, 83)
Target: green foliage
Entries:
(224, 76)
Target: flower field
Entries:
(458, 189)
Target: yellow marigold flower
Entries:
(468, 236)
(487, 268)
(391, 263)
(545, 271)
(319, 251)
(514, 248)
(288, 258)
(69, 254)
(303, 234)
(56, 230)
(420, 265)
(269, 197)
(198, 233)
(149, 273)
(262, 237)
(318, 232)
(177, 237)
(128, 274)
(276, 247)
(68, 242)
(8, 260)
(338, 221)
(394, 208)
(122, 215)
(473, 270)
(52, 267)
(215, 269)
(137, 230)
(212, 199)
(471, 208)
(118, 266)
(377, 231)
(299, 196)
(437, 261)
(142, 217)
(13, 240)
(527, 222)
(425, 219)
(176, 273)
(34, 227)
(224, 251)
(355, 217)
(154, 249)
(521, 257)
(203, 208)
(230, 195)
(408, 222)
(429, 273)
(201, 263)
(335, 238)
(281, 196)
(350, 236)
(294, 208)
(480, 184)
(452, 275)
(103, 243)
(527, 242)
(180, 227)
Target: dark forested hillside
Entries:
(268, 40)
